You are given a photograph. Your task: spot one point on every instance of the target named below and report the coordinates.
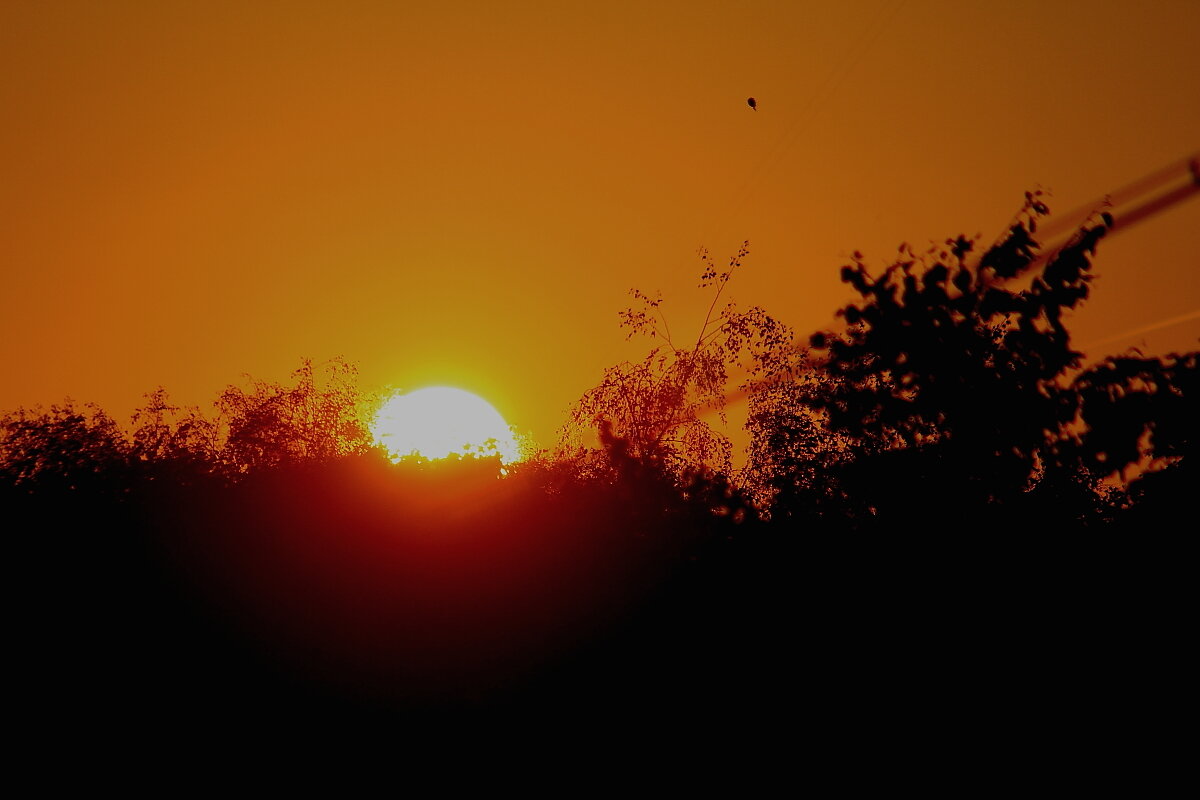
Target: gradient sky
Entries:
(463, 193)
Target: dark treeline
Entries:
(944, 515)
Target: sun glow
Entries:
(439, 421)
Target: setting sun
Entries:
(440, 421)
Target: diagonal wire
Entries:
(1123, 220)
(1154, 326)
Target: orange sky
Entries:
(464, 193)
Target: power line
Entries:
(1126, 194)
(1122, 220)
(1159, 325)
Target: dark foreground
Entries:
(325, 601)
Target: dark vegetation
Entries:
(945, 515)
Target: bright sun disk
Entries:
(440, 421)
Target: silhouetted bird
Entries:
(750, 102)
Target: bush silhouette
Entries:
(267, 563)
(954, 399)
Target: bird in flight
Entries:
(751, 102)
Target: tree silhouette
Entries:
(954, 389)
(263, 426)
(63, 448)
(650, 412)
(1138, 422)
(171, 443)
(269, 557)
(272, 425)
(793, 457)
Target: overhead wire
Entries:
(1119, 197)
(1170, 322)
(1122, 221)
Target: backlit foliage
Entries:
(314, 420)
(655, 408)
(953, 392)
(954, 388)
(920, 479)
(63, 447)
(318, 419)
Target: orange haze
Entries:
(464, 193)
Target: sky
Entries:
(464, 193)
